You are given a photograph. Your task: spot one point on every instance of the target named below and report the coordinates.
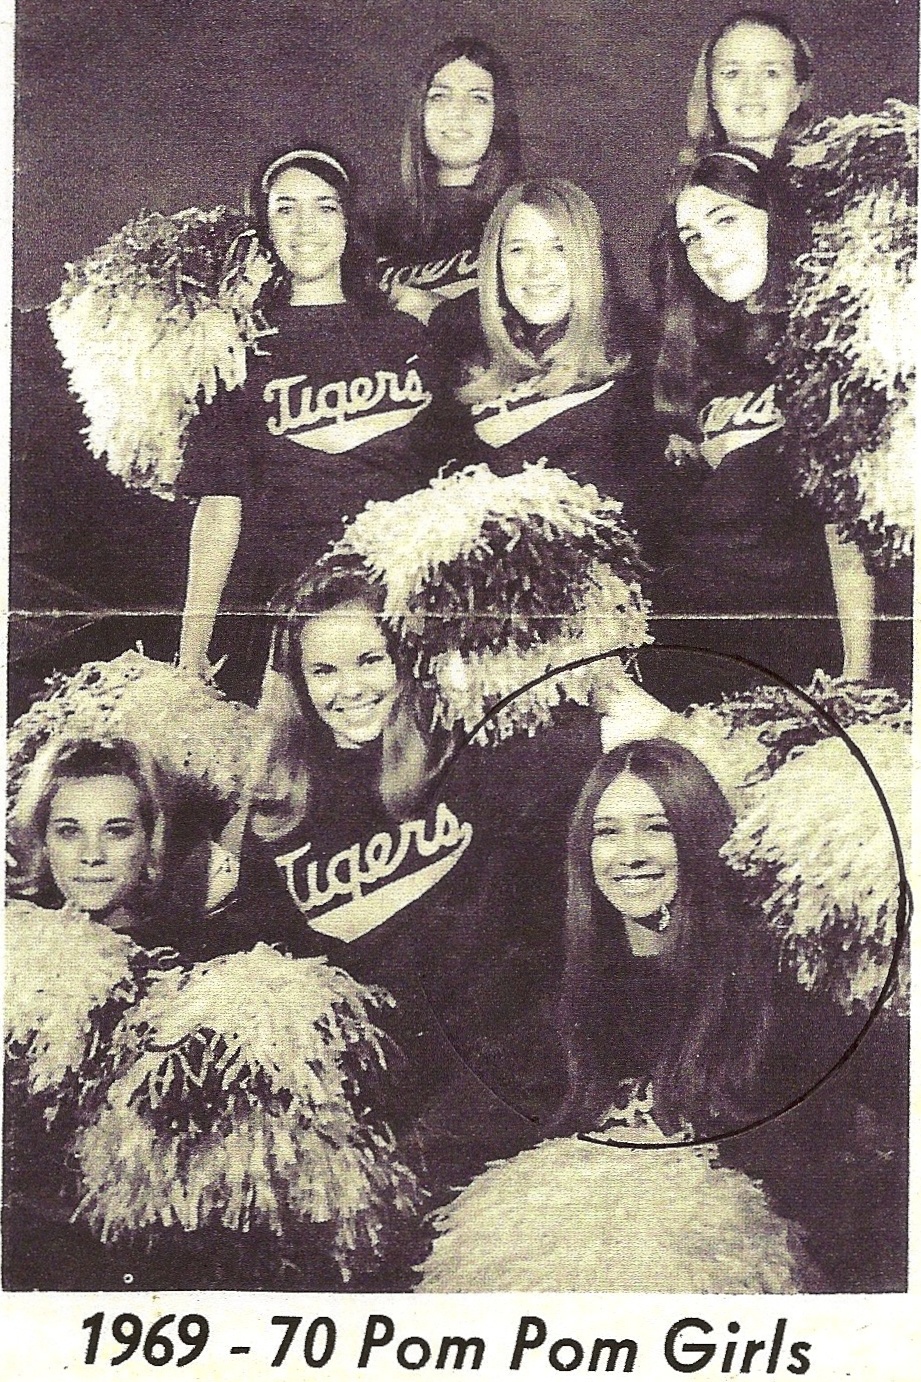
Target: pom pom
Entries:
(242, 1110)
(193, 734)
(501, 579)
(816, 840)
(845, 369)
(61, 970)
(573, 1215)
(150, 325)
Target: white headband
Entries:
(737, 158)
(305, 156)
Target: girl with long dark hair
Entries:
(663, 981)
(776, 583)
(332, 413)
(460, 150)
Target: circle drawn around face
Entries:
(308, 231)
(535, 267)
(95, 842)
(458, 119)
(350, 676)
(857, 1029)
(753, 85)
(725, 240)
(634, 855)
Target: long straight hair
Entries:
(581, 355)
(293, 748)
(705, 131)
(698, 329)
(502, 162)
(707, 1064)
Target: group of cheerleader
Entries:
(459, 902)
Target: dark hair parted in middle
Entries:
(711, 1037)
(359, 270)
(697, 325)
(501, 165)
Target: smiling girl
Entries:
(753, 571)
(752, 86)
(333, 411)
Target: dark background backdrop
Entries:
(163, 104)
(126, 105)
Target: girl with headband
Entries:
(334, 410)
(752, 572)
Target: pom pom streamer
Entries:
(501, 579)
(61, 970)
(242, 1110)
(150, 325)
(573, 1215)
(845, 370)
(817, 843)
(190, 730)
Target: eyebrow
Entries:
(720, 206)
(643, 816)
(75, 820)
(474, 90)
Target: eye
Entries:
(727, 218)
(66, 830)
(600, 831)
(122, 830)
(689, 238)
(729, 73)
(482, 98)
(321, 669)
(659, 828)
(434, 96)
(371, 659)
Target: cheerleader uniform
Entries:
(457, 912)
(747, 569)
(336, 411)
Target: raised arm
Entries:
(212, 548)
(855, 597)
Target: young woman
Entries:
(332, 413)
(88, 834)
(460, 151)
(749, 553)
(752, 86)
(663, 982)
(554, 378)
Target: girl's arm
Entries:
(855, 597)
(212, 548)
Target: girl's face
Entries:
(458, 120)
(351, 679)
(535, 267)
(725, 240)
(308, 232)
(95, 842)
(753, 85)
(634, 856)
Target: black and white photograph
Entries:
(459, 740)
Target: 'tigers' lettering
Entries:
(340, 400)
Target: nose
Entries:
(93, 849)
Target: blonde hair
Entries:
(580, 356)
(67, 760)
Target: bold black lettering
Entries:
(460, 1347)
(671, 1339)
(414, 1341)
(578, 1353)
(779, 1331)
(527, 1339)
(798, 1349)
(373, 1339)
(613, 1347)
(751, 1348)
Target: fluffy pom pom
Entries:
(501, 579)
(150, 325)
(188, 728)
(242, 1110)
(573, 1215)
(846, 373)
(61, 970)
(816, 840)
